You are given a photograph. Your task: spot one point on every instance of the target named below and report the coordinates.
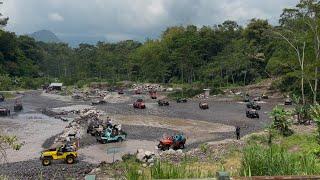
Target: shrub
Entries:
(204, 148)
(6, 83)
(129, 169)
(165, 170)
(315, 115)
(281, 120)
(185, 93)
(258, 138)
(275, 160)
(81, 83)
(133, 172)
(129, 157)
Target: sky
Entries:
(76, 21)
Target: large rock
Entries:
(140, 154)
(148, 153)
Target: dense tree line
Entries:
(225, 54)
(220, 55)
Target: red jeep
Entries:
(4, 111)
(174, 142)
(139, 104)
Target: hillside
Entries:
(45, 36)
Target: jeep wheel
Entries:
(120, 139)
(165, 147)
(46, 161)
(181, 146)
(70, 159)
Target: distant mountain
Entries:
(45, 36)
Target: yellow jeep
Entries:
(60, 153)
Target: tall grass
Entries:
(132, 172)
(8, 95)
(164, 170)
(275, 160)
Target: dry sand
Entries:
(32, 130)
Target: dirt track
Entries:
(150, 124)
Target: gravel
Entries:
(228, 113)
(33, 169)
(134, 133)
(146, 132)
(48, 142)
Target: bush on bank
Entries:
(275, 160)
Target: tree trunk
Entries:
(232, 76)
(315, 85)
(302, 74)
(182, 74)
(221, 78)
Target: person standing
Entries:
(109, 122)
(238, 132)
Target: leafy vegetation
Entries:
(221, 55)
(315, 114)
(217, 56)
(164, 170)
(8, 95)
(8, 142)
(275, 160)
(185, 93)
(281, 120)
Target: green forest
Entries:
(222, 55)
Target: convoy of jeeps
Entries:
(106, 132)
(5, 111)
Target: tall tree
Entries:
(307, 14)
(3, 21)
(293, 31)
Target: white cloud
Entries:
(138, 19)
(55, 17)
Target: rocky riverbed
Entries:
(144, 128)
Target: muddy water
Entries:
(32, 129)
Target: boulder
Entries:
(140, 154)
(148, 153)
(151, 160)
(170, 151)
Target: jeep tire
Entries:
(70, 159)
(46, 161)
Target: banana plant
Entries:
(315, 115)
(281, 120)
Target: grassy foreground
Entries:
(293, 155)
